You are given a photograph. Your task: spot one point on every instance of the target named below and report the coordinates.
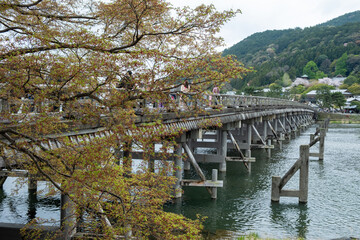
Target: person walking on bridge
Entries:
(185, 88)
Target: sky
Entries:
(262, 15)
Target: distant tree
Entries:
(286, 80)
(343, 86)
(350, 80)
(341, 67)
(249, 90)
(323, 96)
(357, 104)
(325, 66)
(320, 74)
(338, 99)
(299, 89)
(311, 69)
(352, 62)
(275, 91)
(318, 86)
(355, 89)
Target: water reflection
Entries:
(292, 217)
(32, 202)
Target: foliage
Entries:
(338, 99)
(311, 69)
(275, 91)
(299, 89)
(341, 66)
(355, 89)
(318, 86)
(60, 63)
(323, 97)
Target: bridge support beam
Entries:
(278, 183)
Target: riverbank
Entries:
(344, 118)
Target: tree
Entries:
(323, 96)
(311, 69)
(338, 99)
(355, 89)
(341, 66)
(275, 91)
(69, 55)
(299, 89)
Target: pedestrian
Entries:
(216, 91)
(185, 88)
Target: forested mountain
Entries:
(278, 53)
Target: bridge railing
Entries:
(175, 100)
(251, 101)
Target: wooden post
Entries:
(214, 178)
(249, 135)
(178, 171)
(322, 144)
(265, 130)
(67, 217)
(304, 173)
(269, 149)
(127, 158)
(32, 186)
(151, 161)
(223, 152)
(312, 137)
(275, 189)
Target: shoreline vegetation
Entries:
(340, 118)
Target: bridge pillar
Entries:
(151, 160)
(275, 125)
(178, 170)
(269, 149)
(32, 186)
(187, 164)
(249, 139)
(265, 130)
(223, 149)
(127, 158)
(67, 217)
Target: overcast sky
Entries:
(261, 15)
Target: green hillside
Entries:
(334, 46)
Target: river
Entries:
(243, 205)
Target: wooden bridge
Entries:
(242, 123)
(246, 122)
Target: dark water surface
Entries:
(243, 204)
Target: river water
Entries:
(243, 205)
